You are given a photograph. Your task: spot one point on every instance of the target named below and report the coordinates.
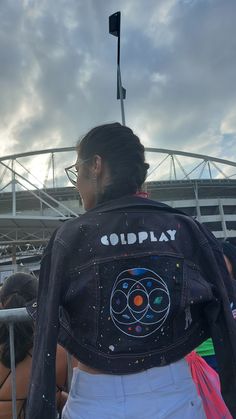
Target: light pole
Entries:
(114, 29)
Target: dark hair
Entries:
(17, 290)
(124, 155)
(229, 250)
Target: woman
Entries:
(17, 291)
(229, 251)
(139, 286)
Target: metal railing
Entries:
(9, 317)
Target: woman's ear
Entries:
(97, 165)
(100, 173)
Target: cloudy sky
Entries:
(178, 62)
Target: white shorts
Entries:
(158, 393)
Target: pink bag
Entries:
(208, 387)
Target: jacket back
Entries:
(136, 284)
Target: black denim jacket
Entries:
(135, 284)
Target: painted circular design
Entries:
(140, 302)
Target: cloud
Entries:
(228, 125)
(58, 72)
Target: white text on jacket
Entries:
(140, 237)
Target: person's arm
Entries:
(61, 377)
(61, 398)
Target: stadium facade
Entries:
(35, 197)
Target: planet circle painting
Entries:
(140, 302)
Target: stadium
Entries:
(36, 197)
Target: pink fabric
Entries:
(142, 194)
(208, 387)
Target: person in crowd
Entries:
(139, 286)
(17, 291)
(229, 251)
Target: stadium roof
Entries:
(35, 196)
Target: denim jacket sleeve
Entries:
(42, 393)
